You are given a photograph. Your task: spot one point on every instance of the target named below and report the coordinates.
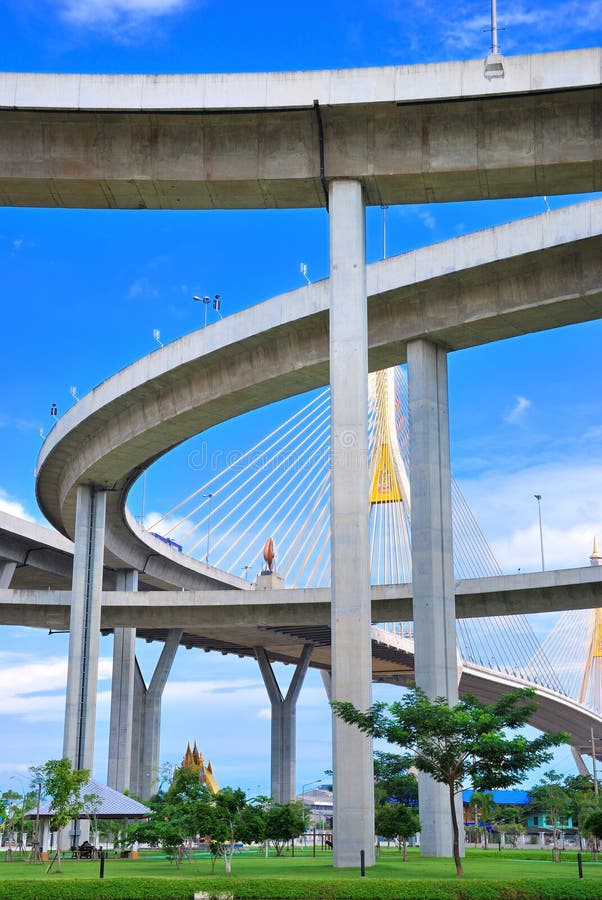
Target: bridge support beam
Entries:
(146, 733)
(284, 724)
(353, 780)
(7, 570)
(84, 627)
(122, 695)
(432, 563)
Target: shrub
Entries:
(296, 889)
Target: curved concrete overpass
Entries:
(412, 134)
(508, 280)
(513, 279)
(418, 134)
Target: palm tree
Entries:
(481, 804)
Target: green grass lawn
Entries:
(506, 866)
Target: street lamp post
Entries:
(216, 302)
(308, 784)
(538, 498)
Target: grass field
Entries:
(506, 866)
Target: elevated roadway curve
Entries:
(513, 279)
(411, 134)
(283, 621)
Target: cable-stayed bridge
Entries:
(340, 141)
(109, 437)
(281, 487)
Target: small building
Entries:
(109, 804)
(320, 805)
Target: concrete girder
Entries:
(409, 134)
(498, 595)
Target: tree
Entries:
(37, 784)
(10, 810)
(508, 821)
(582, 802)
(178, 816)
(482, 806)
(250, 823)
(465, 742)
(285, 822)
(397, 822)
(549, 797)
(392, 781)
(223, 821)
(592, 825)
(63, 785)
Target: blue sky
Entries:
(82, 292)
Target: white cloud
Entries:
(427, 219)
(88, 13)
(35, 691)
(13, 507)
(465, 30)
(517, 413)
(230, 694)
(265, 713)
(571, 510)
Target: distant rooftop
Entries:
(113, 805)
(502, 798)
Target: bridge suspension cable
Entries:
(280, 487)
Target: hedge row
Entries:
(296, 889)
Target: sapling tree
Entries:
(63, 785)
(550, 797)
(398, 823)
(467, 742)
(285, 822)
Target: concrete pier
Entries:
(7, 570)
(353, 783)
(82, 671)
(146, 739)
(122, 695)
(284, 724)
(432, 563)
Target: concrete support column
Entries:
(7, 570)
(327, 682)
(122, 695)
(432, 563)
(84, 628)
(284, 724)
(146, 732)
(137, 754)
(45, 835)
(353, 780)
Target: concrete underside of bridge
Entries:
(403, 135)
(416, 134)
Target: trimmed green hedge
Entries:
(296, 889)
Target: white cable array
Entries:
(280, 488)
